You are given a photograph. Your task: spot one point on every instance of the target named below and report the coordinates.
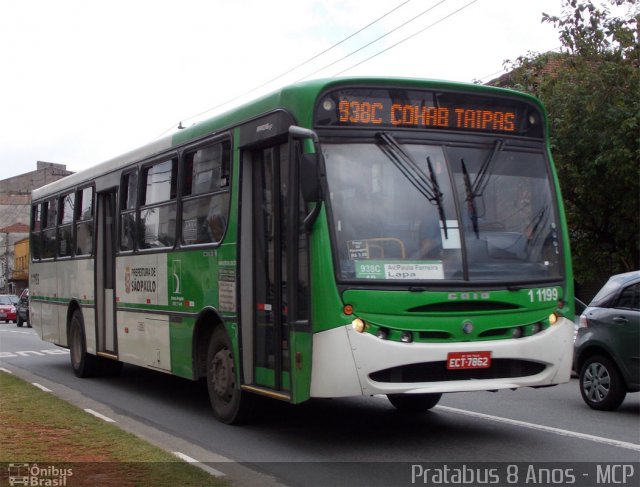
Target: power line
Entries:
(407, 38)
(375, 40)
(330, 48)
(297, 66)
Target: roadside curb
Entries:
(211, 462)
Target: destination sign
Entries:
(394, 108)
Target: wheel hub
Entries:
(597, 382)
(223, 380)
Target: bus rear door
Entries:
(105, 273)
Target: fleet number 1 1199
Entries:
(543, 294)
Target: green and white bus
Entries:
(335, 238)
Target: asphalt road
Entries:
(364, 441)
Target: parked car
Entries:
(607, 348)
(7, 308)
(22, 309)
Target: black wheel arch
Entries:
(207, 321)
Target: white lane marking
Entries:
(6, 370)
(206, 468)
(547, 429)
(34, 353)
(21, 332)
(41, 387)
(101, 416)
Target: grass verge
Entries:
(39, 428)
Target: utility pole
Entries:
(6, 263)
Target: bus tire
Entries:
(83, 363)
(601, 384)
(414, 403)
(228, 401)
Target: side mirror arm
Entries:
(309, 173)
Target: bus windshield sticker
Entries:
(358, 249)
(401, 270)
(450, 240)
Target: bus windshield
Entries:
(415, 212)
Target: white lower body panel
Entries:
(344, 359)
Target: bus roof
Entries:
(294, 97)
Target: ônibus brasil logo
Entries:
(27, 474)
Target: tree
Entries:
(591, 90)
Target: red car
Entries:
(7, 309)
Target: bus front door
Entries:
(105, 274)
(279, 270)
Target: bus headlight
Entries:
(553, 319)
(358, 325)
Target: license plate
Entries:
(2, 315)
(468, 360)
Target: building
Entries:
(15, 208)
(20, 274)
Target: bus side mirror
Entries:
(309, 179)
(308, 164)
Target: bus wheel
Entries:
(414, 402)
(83, 363)
(229, 403)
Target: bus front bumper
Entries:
(344, 362)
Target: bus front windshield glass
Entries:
(413, 212)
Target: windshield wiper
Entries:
(482, 178)
(427, 185)
(438, 193)
(475, 189)
(532, 229)
(470, 199)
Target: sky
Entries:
(83, 81)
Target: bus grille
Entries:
(438, 372)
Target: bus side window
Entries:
(206, 195)
(158, 214)
(84, 221)
(128, 218)
(36, 226)
(49, 232)
(65, 224)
